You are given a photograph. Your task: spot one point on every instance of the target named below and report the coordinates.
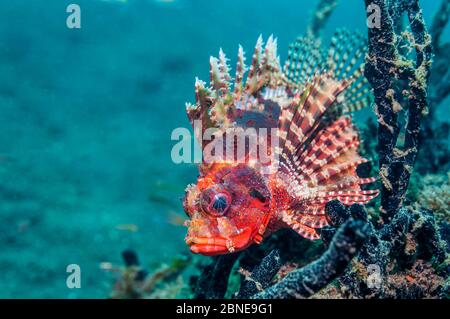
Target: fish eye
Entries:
(216, 204)
(220, 203)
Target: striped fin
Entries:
(349, 197)
(291, 219)
(357, 97)
(321, 164)
(331, 169)
(323, 140)
(330, 160)
(301, 120)
(355, 181)
(337, 139)
(346, 53)
(305, 231)
(313, 221)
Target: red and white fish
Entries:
(234, 204)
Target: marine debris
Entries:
(136, 282)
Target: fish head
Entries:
(226, 208)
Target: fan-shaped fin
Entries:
(292, 220)
(346, 57)
(313, 221)
(300, 121)
(305, 59)
(305, 231)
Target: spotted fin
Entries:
(305, 225)
(305, 59)
(345, 59)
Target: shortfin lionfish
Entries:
(235, 204)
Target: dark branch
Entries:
(387, 70)
(213, 282)
(306, 281)
(261, 276)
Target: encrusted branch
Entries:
(261, 276)
(213, 282)
(387, 70)
(408, 237)
(306, 281)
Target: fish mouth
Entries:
(209, 246)
(209, 250)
